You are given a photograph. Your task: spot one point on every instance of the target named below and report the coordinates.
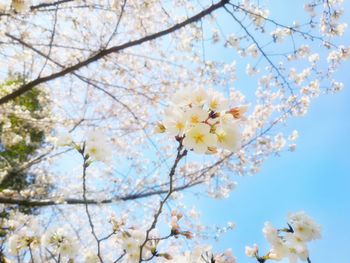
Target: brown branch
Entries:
(34, 7)
(89, 82)
(117, 24)
(51, 41)
(103, 53)
(292, 29)
(180, 154)
(77, 201)
(82, 78)
(120, 257)
(129, 197)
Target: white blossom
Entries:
(98, 147)
(60, 242)
(251, 251)
(304, 226)
(228, 137)
(199, 138)
(91, 257)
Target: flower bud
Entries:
(212, 150)
(166, 256)
(20, 6)
(187, 234)
(251, 251)
(160, 128)
(238, 112)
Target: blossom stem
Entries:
(180, 154)
(85, 165)
(31, 254)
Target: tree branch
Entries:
(277, 70)
(34, 7)
(180, 155)
(77, 201)
(103, 53)
(130, 197)
(92, 227)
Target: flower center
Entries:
(194, 119)
(221, 136)
(179, 126)
(93, 150)
(213, 104)
(199, 138)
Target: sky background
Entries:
(315, 178)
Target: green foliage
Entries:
(31, 136)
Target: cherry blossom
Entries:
(113, 112)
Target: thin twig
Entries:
(180, 154)
(93, 232)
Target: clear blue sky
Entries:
(315, 178)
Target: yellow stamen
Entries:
(199, 138)
(180, 126)
(194, 119)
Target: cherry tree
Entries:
(111, 111)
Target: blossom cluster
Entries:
(330, 21)
(203, 121)
(131, 239)
(19, 6)
(96, 145)
(290, 242)
(257, 14)
(60, 242)
(123, 95)
(202, 254)
(23, 233)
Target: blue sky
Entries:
(315, 178)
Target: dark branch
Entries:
(76, 201)
(42, 5)
(180, 154)
(103, 53)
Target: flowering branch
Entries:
(288, 242)
(86, 163)
(204, 113)
(261, 50)
(292, 29)
(75, 201)
(101, 54)
(180, 154)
